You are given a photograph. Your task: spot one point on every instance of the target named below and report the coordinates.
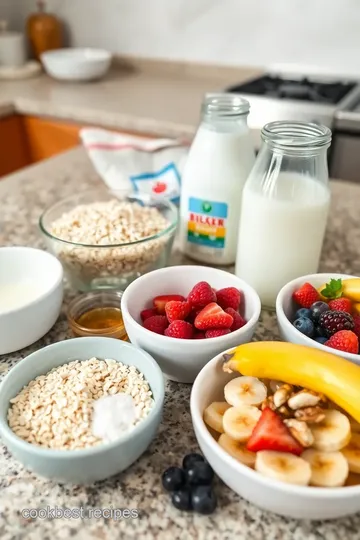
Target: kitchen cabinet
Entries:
(14, 152)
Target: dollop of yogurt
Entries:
(113, 416)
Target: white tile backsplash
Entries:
(321, 34)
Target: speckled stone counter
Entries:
(23, 196)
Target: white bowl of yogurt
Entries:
(31, 294)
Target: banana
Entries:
(283, 467)
(302, 366)
(213, 415)
(332, 433)
(237, 450)
(328, 469)
(239, 422)
(356, 308)
(353, 479)
(352, 453)
(245, 391)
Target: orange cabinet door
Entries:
(14, 153)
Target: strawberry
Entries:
(270, 433)
(229, 298)
(357, 325)
(176, 311)
(344, 340)
(201, 295)
(199, 335)
(238, 322)
(306, 295)
(156, 323)
(217, 332)
(341, 304)
(160, 302)
(212, 316)
(180, 330)
(146, 313)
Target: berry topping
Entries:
(333, 289)
(334, 321)
(217, 332)
(199, 335)
(317, 309)
(357, 325)
(190, 459)
(181, 499)
(212, 316)
(306, 295)
(201, 295)
(161, 301)
(341, 304)
(305, 326)
(146, 313)
(270, 433)
(156, 323)
(179, 330)
(344, 340)
(203, 500)
(173, 478)
(199, 474)
(176, 310)
(303, 312)
(238, 321)
(228, 298)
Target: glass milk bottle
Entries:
(219, 161)
(284, 208)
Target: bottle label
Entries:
(207, 223)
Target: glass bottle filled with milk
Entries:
(219, 161)
(285, 206)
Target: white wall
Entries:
(320, 33)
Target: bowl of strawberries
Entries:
(322, 311)
(185, 315)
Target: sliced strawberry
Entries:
(270, 433)
(229, 298)
(177, 311)
(160, 302)
(239, 321)
(212, 316)
(201, 295)
(146, 313)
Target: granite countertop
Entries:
(24, 196)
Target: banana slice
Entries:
(352, 453)
(237, 450)
(328, 469)
(213, 415)
(239, 422)
(283, 467)
(333, 433)
(354, 425)
(245, 391)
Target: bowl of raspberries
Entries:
(185, 315)
(322, 311)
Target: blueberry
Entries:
(321, 339)
(303, 312)
(305, 326)
(320, 332)
(317, 308)
(203, 499)
(190, 459)
(181, 499)
(173, 478)
(199, 474)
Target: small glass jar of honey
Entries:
(97, 313)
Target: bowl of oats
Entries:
(107, 239)
(81, 410)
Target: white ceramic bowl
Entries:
(76, 64)
(286, 308)
(182, 359)
(22, 326)
(284, 499)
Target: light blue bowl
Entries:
(99, 462)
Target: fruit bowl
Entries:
(286, 308)
(182, 359)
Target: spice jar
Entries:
(97, 313)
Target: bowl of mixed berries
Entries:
(322, 311)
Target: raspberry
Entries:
(228, 298)
(156, 323)
(357, 325)
(341, 304)
(160, 302)
(146, 313)
(217, 332)
(199, 335)
(306, 295)
(176, 311)
(238, 322)
(192, 316)
(180, 330)
(334, 321)
(212, 316)
(345, 340)
(201, 295)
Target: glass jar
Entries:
(219, 161)
(284, 208)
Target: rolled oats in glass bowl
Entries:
(107, 239)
